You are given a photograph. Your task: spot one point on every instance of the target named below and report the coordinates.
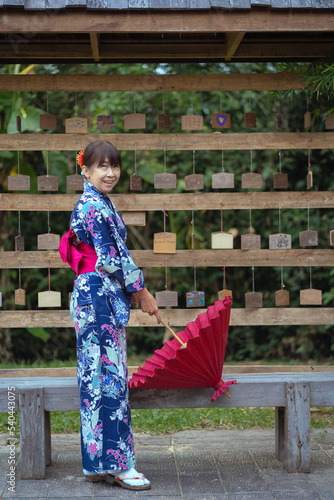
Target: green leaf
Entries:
(40, 333)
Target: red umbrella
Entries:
(194, 358)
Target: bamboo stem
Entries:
(173, 333)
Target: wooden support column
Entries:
(233, 41)
(279, 432)
(95, 45)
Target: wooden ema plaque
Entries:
(48, 121)
(75, 182)
(282, 298)
(223, 180)
(307, 120)
(253, 299)
(281, 181)
(195, 299)
(167, 298)
(331, 238)
(19, 243)
(308, 238)
(76, 125)
(310, 297)
(309, 180)
(105, 122)
(164, 181)
(134, 218)
(250, 120)
(47, 183)
(134, 120)
(280, 241)
(251, 181)
(20, 297)
(192, 122)
(18, 123)
(330, 121)
(48, 241)
(250, 241)
(135, 182)
(193, 182)
(221, 120)
(221, 240)
(49, 299)
(224, 293)
(164, 243)
(163, 122)
(19, 182)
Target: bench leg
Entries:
(47, 433)
(279, 432)
(297, 428)
(32, 433)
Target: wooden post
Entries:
(279, 432)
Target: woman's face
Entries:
(103, 176)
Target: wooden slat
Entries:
(178, 317)
(174, 142)
(233, 41)
(95, 45)
(145, 83)
(185, 258)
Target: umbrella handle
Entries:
(173, 333)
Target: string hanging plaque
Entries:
(163, 120)
(134, 120)
(307, 116)
(49, 298)
(18, 182)
(194, 181)
(76, 125)
(20, 294)
(47, 182)
(223, 180)
(75, 181)
(48, 241)
(250, 241)
(47, 120)
(195, 298)
(221, 239)
(166, 298)
(279, 241)
(310, 296)
(224, 293)
(19, 239)
(282, 297)
(192, 121)
(253, 299)
(251, 180)
(165, 180)
(135, 179)
(164, 242)
(280, 179)
(309, 178)
(308, 238)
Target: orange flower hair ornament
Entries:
(80, 160)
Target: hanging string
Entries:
(18, 157)
(251, 156)
(19, 219)
(47, 101)
(163, 102)
(310, 272)
(49, 229)
(307, 102)
(165, 156)
(49, 275)
(224, 280)
(250, 101)
(193, 157)
(195, 284)
(221, 216)
(165, 274)
(76, 105)
(282, 284)
(165, 215)
(134, 102)
(308, 214)
(279, 216)
(20, 273)
(223, 169)
(76, 156)
(47, 159)
(192, 103)
(253, 282)
(221, 103)
(192, 226)
(135, 157)
(279, 157)
(309, 156)
(250, 216)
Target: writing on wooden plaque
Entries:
(222, 240)
(193, 182)
(76, 125)
(18, 123)
(135, 182)
(280, 241)
(195, 299)
(307, 119)
(250, 120)
(310, 297)
(134, 218)
(19, 243)
(134, 120)
(331, 238)
(48, 121)
(253, 299)
(330, 121)
(165, 181)
(19, 182)
(250, 241)
(48, 241)
(105, 122)
(166, 298)
(282, 298)
(75, 182)
(221, 120)
(192, 122)
(20, 297)
(163, 122)
(164, 243)
(308, 238)
(224, 293)
(281, 181)
(251, 181)
(223, 180)
(47, 183)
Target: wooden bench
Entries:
(291, 394)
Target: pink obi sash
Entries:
(81, 258)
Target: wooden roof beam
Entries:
(233, 41)
(95, 45)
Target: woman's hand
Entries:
(147, 303)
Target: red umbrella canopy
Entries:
(197, 364)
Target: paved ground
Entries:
(190, 465)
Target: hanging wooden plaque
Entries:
(250, 241)
(20, 297)
(134, 120)
(253, 299)
(48, 241)
(310, 297)
(48, 121)
(331, 238)
(19, 243)
(279, 121)
(163, 122)
(251, 181)
(193, 182)
(135, 182)
(195, 299)
(281, 181)
(279, 241)
(164, 181)
(76, 125)
(166, 298)
(75, 182)
(47, 183)
(0, 299)
(224, 293)
(192, 122)
(19, 182)
(330, 121)
(164, 243)
(49, 299)
(134, 218)
(105, 122)
(250, 120)
(309, 180)
(308, 238)
(282, 298)
(221, 120)
(221, 240)
(307, 119)
(18, 123)
(223, 180)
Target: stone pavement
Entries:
(189, 465)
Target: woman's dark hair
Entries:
(98, 151)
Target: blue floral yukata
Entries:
(100, 308)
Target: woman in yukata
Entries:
(107, 282)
